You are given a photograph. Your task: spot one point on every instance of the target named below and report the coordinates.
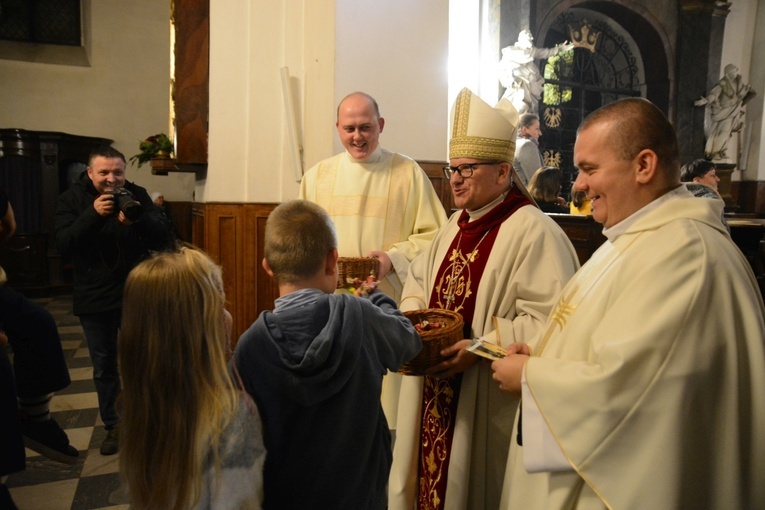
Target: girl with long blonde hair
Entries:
(190, 438)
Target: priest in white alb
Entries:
(382, 204)
(499, 262)
(647, 387)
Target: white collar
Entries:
(612, 233)
(372, 158)
(479, 213)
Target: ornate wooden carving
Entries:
(191, 91)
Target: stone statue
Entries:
(519, 74)
(724, 110)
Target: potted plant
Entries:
(155, 146)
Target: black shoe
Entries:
(47, 438)
(111, 444)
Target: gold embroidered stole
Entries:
(455, 288)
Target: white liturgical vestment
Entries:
(650, 373)
(529, 263)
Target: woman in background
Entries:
(191, 438)
(545, 187)
(700, 178)
(527, 155)
(700, 171)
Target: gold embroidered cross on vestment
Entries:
(454, 285)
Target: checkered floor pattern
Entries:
(92, 483)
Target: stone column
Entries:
(699, 46)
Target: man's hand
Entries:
(385, 263)
(104, 205)
(459, 360)
(507, 371)
(123, 219)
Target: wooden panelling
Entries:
(435, 172)
(749, 196)
(584, 233)
(180, 215)
(232, 234)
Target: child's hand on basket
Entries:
(366, 287)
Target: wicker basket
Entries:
(435, 340)
(349, 268)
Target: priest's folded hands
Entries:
(459, 360)
(508, 371)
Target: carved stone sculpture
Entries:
(520, 75)
(724, 109)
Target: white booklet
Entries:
(486, 349)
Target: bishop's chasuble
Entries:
(530, 260)
(650, 374)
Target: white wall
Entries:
(249, 157)
(397, 51)
(123, 94)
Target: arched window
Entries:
(581, 80)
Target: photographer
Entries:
(106, 225)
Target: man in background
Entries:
(106, 225)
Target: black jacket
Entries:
(102, 250)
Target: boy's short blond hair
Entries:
(299, 234)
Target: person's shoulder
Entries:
(524, 144)
(702, 190)
(534, 220)
(135, 188)
(75, 193)
(326, 161)
(254, 333)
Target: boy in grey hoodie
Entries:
(314, 365)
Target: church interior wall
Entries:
(122, 94)
(401, 60)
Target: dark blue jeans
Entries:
(101, 330)
(38, 359)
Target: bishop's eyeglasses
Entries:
(467, 170)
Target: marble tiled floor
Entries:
(92, 483)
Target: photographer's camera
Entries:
(126, 203)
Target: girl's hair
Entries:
(544, 185)
(177, 394)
